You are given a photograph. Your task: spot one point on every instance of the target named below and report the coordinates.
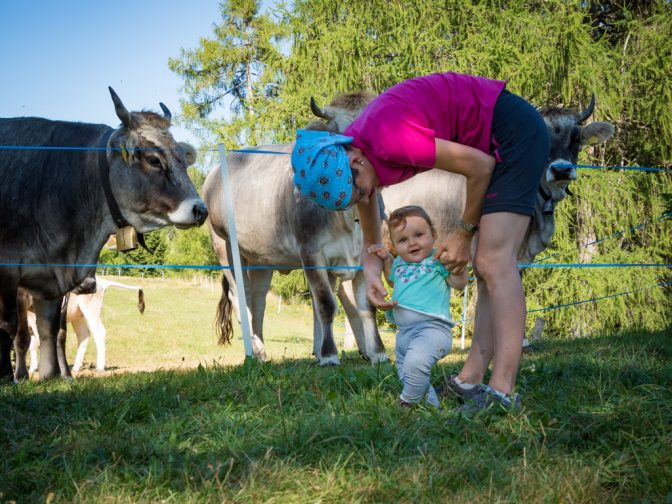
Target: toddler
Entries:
(421, 290)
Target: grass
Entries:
(596, 426)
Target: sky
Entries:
(59, 57)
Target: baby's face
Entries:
(413, 240)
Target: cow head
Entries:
(148, 172)
(567, 137)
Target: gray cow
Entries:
(279, 227)
(54, 209)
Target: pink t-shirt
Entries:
(396, 131)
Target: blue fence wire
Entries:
(613, 235)
(535, 264)
(255, 151)
(583, 301)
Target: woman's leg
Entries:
(482, 344)
(502, 311)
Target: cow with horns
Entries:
(59, 204)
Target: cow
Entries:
(59, 204)
(84, 314)
(442, 194)
(279, 228)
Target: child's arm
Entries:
(387, 259)
(458, 282)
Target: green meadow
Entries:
(179, 419)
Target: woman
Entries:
(461, 124)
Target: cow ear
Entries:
(596, 133)
(123, 114)
(189, 152)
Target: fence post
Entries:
(464, 315)
(235, 252)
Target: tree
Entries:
(553, 53)
(237, 68)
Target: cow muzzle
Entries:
(561, 170)
(190, 213)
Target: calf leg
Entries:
(61, 336)
(82, 332)
(99, 334)
(34, 343)
(324, 308)
(48, 314)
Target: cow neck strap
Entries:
(104, 172)
(549, 203)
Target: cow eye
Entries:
(576, 134)
(154, 161)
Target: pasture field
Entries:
(179, 419)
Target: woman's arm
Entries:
(387, 258)
(477, 167)
(369, 219)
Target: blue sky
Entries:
(58, 57)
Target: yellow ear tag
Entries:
(124, 153)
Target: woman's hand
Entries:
(454, 251)
(375, 290)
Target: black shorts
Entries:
(521, 147)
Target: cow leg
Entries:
(324, 308)
(373, 349)
(22, 338)
(82, 332)
(347, 298)
(8, 326)
(259, 281)
(48, 314)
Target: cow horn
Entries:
(166, 112)
(123, 114)
(589, 111)
(317, 110)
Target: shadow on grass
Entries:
(597, 423)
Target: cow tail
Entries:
(223, 324)
(141, 301)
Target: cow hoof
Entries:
(330, 360)
(21, 375)
(378, 357)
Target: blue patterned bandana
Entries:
(322, 168)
